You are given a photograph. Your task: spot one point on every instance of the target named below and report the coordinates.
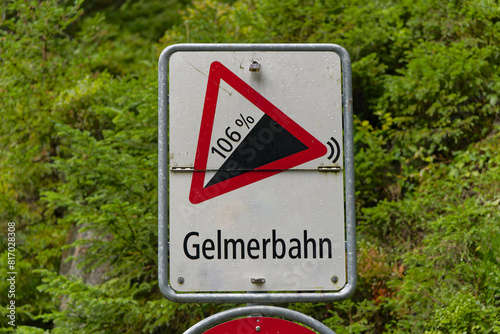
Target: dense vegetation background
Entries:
(78, 157)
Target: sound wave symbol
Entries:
(333, 150)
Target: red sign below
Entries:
(261, 325)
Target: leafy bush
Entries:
(78, 157)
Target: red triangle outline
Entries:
(217, 73)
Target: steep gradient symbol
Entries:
(274, 144)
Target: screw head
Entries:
(335, 279)
(254, 65)
(180, 280)
(257, 328)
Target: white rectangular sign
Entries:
(256, 196)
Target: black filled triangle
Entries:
(265, 143)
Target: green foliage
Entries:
(35, 50)
(450, 254)
(216, 22)
(68, 89)
(147, 18)
(78, 157)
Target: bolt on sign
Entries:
(255, 170)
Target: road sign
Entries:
(255, 172)
(264, 325)
(249, 221)
(287, 321)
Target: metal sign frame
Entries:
(163, 181)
